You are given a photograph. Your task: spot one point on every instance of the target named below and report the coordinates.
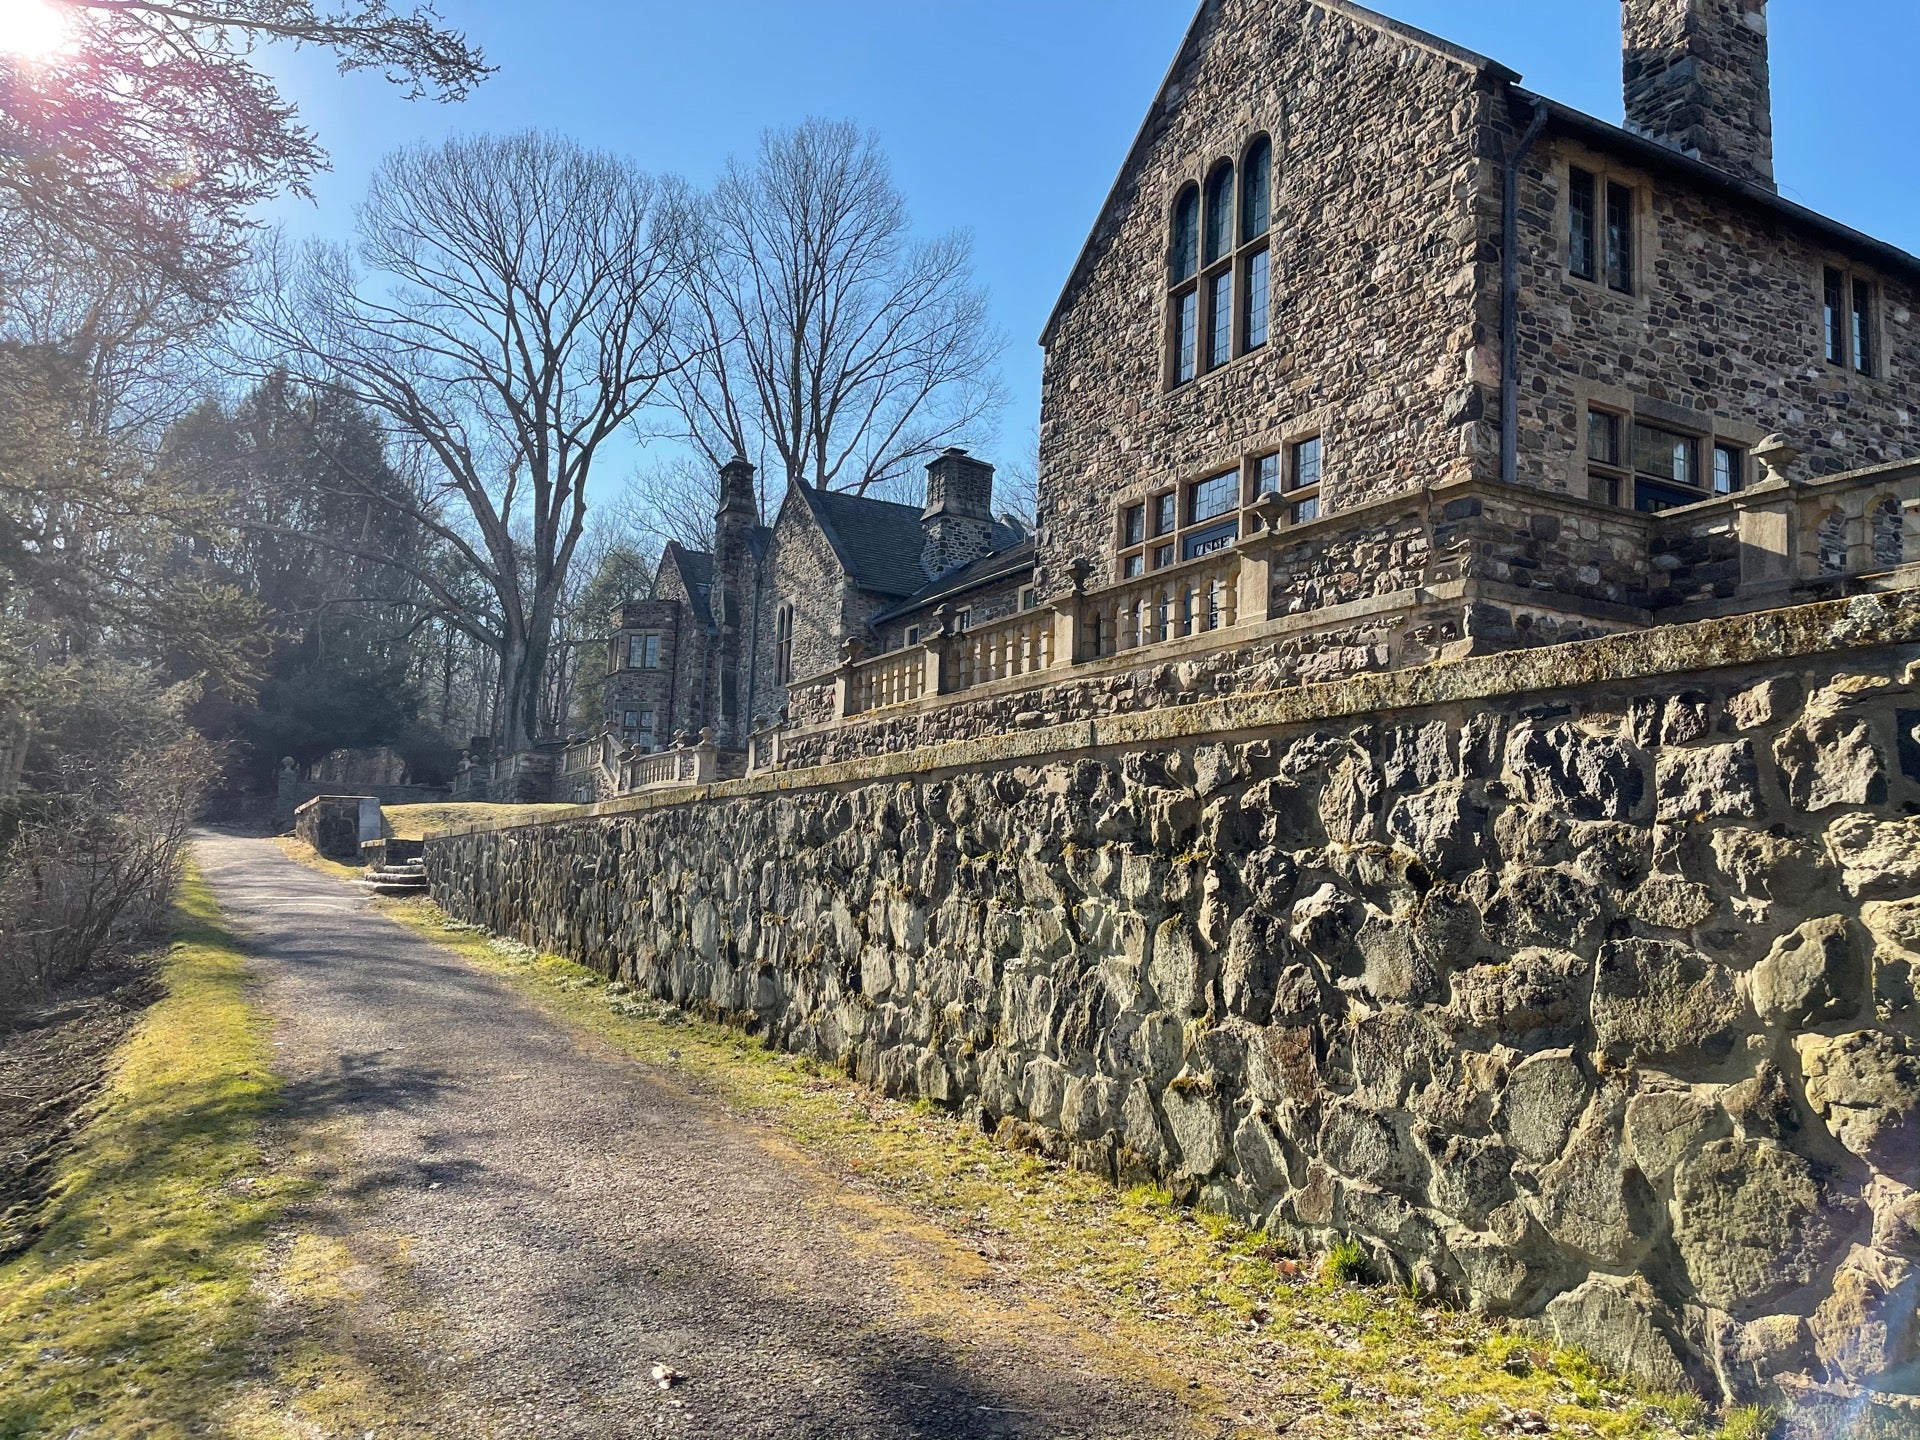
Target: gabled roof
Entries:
(877, 542)
(696, 577)
(1190, 46)
(1005, 561)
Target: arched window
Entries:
(1220, 251)
(1219, 211)
(1183, 264)
(1889, 539)
(1186, 235)
(783, 645)
(1256, 256)
(1256, 191)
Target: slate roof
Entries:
(696, 576)
(1011, 559)
(878, 542)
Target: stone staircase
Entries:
(407, 878)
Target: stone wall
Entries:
(1579, 983)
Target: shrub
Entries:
(90, 843)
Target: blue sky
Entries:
(1010, 117)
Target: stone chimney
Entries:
(1697, 79)
(739, 513)
(958, 520)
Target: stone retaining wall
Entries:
(1578, 983)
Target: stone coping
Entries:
(1860, 623)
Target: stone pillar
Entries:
(1070, 615)
(1768, 521)
(845, 702)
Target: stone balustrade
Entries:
(686, 765)
(1200, 596)
(1006, 649)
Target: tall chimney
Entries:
(958, 520)
(1697, 79)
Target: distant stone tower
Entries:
(732, 599)
(958, 520)
(1698, 79)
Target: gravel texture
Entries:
(572, 1220)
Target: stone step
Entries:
(394, 887)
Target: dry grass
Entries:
(416, 822)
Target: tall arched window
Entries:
(783, 645)
(1217, 286)
(1256, 264)
(1832, 537)
(1221, 250)
(1219, 211)
(1183, 265)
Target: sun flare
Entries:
(32, 29)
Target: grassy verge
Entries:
(413, 822)
(133, 1313)
(1262, 1341)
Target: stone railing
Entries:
(1191, 599)
(1430, 573)
(1003, 649)
(688, 765)
(896, 678)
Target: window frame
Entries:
(1211, 319)
(1862, 347)
(1610, 185)
(1617, 481)
(645, 644)
(1155, 549)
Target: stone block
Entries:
(1815, 975)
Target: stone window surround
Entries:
(1605, 171)
(1277, 441)
(1840, 376)
(1240, 253)
(1709, 428)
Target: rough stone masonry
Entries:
(1577, 983)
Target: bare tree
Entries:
(511, 312)
(825, 336)
(150, 133)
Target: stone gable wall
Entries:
(691, 666)
(1376, 240)
(1589, 1000)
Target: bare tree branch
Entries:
(512, 309)
(821, 332)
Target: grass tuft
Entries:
(1346, 1264)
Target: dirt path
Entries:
(570, 1219)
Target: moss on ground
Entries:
(1266, 1347)
(133, 1313)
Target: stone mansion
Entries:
(1373, 357)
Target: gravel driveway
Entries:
(573, 1219)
